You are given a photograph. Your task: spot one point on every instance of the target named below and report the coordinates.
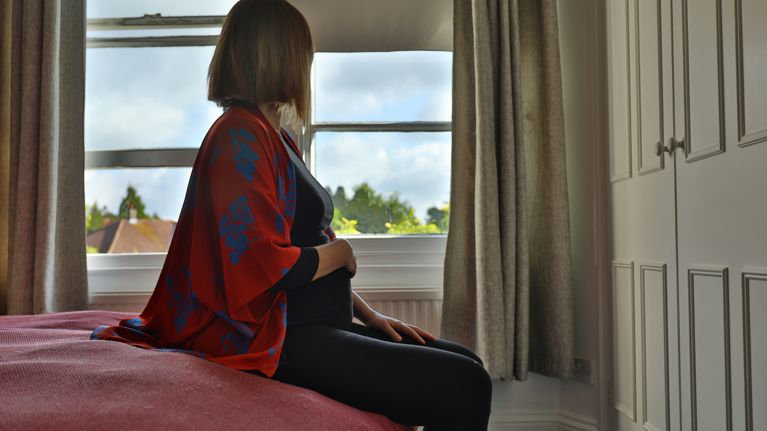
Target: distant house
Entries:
(133, 236)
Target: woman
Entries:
(255, 278)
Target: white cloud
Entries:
(396, 86)
(141, 124)
(415, 165)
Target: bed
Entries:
(53, 377)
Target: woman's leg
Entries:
(439, 343)
(410, 384)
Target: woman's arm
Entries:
(333, 255)
(362, 310)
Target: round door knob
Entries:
(660, 149)
(674, 145)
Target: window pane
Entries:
(376, 178)
(382, 86)
(147, 97)
(134, 8)
(158, 197)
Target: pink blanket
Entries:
(53, 377)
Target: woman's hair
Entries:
(263, 55)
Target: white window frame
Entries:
(403, 265)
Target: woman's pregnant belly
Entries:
(325, 301)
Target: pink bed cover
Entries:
(53, 377)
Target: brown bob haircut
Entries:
(263, 55)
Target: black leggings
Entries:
(441, 385)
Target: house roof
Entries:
(145, 236)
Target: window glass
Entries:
(382, 86)
(147, 97)
(157, 194)
(376, 178)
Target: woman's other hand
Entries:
(394, 327)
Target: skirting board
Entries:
(540, 420)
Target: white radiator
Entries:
(425, 314)
(418, 306)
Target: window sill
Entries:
(399, 265)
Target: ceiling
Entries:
(379, 25)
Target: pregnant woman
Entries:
(255, 279)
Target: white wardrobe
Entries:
(687, 86)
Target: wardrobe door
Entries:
(642, 205)
(722, 208)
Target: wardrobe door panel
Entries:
(655, 364)
(755, 351)
(722, 212)
(648, 58)
(642, 205)
(619, 100)
(751, 40)
(703, 78)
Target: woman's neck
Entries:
(271, 114)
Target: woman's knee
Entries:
(481, 380)
(452, 346)
(470, 395)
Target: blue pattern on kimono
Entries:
(235, 342)
(244, 156)
(233, 228)
(182, 298)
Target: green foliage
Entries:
(439, 217)
(132, 199)
(368, 208)
(342, 225)
(370, 212)
(339, 198)
(411, 227)
(90, 249)
(98, 217)
(366, 212)
(95, 217)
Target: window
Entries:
(378, 138)
(381, 141)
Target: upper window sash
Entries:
(184, 157)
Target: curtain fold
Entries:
(42, 224)
(507, 280)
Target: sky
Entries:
(156, 97)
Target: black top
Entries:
(326, 300)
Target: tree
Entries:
(342, 225)
(411, 227)
(96, 218)
(133, 198)
(370, 212)
(368, 208)
(439, 217)
(339, 198)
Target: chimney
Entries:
(132, 214)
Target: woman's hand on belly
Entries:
(333, 255)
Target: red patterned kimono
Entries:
(231, 245)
